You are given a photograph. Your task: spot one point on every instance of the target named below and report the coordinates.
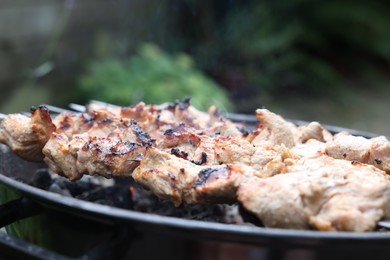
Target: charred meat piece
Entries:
(321, 193)
(61, 155)
(311, 131)
(26, 136)
(156, 119)
(217, 125)
(262, 159)
(76, 123)
(181, 181)
(145, 115)
(233, 150)
(205, 150)
(109, 157)
(184, 112)
(380, 153)
(272, 130)
(282, 173)
(114, 154)
(189, 145)
(309, 149)
(153, 117)
(375, 151)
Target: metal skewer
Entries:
(97, 102)
(58, 110)
(384, 224)
(77, 107)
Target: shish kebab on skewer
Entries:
(288, 176)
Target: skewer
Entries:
(58, 110)
(384, 224)
(25, 113)
(231, 116)
(77, 107)
(80, 108)
(251, 119)
(241, 118)
(97, 102)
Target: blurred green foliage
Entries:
(152, 76)
(302, 43)
(306, 46)
(254, 49)
(274, 42)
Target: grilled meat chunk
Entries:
(179, 180)
(288, 176)
(375, 151)
(61, 155)
(380, 153)
(109, 157)
(311, 148)
(75, 123)
(153, 117)
(311, 131)
(157, 119)
(205, 150)
(321, 193)
(272, 130)
(26, 136)
(189, 145)
(112, 149)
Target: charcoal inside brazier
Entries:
(126, 194)
(41, 179)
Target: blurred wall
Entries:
(44, 45)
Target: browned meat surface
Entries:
(311, 148)
(61, 155)
(182, 181)
(272, 130)
(380, 153)
(152, 117)
(375, 151)
(311, 131)
(233, 149)
(26, 136)
(189, 145)
(320, 193)
(158, 119)
(76, 123)
(205, 150)
(288, 176)
(93, 152)
(217, 125)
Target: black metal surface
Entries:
(142, 223)
(114, 247)
(18, 209)
(14, 248)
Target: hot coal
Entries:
(41, 179)
(126, 194)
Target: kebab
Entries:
(193, 157)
